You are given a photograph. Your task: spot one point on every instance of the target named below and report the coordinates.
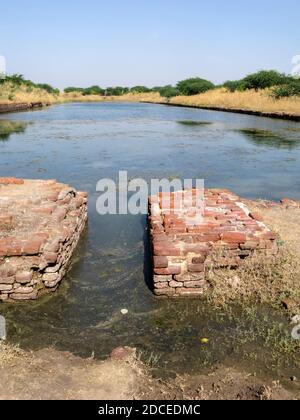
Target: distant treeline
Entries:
(280, 85)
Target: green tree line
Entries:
(280, 85)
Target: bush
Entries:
(234, 85)
(194, 86)
(47, 88)
(140, 89)
(16, 79)
(93, 90)
(264, 79)
(116, 91)
(168, 91)
(285, 91)
(73, 89)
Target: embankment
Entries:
(278, 115)
(17, 107)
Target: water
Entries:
(82, 143)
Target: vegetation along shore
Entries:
(265, 93)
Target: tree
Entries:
(234, 85)
(264, 79)
(194, 86)
(93, 90)
(169, 91)
(47, 88)
(73, 89)
(140, 89)
(292, 88)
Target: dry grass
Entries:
(249, 100)
(221, 98)
(270, 280)
(10, 94)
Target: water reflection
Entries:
(289, 139)
(7, 128)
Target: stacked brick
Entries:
(184, 252)
(40, 225)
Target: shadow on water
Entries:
(270, 139)
(193, 123)
(148, 264)
(7, 128)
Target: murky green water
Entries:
(82, 143)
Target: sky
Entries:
(146, 42)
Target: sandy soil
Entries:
(51, 375)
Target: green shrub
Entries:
(169, 91)
(73, 89)
(47, 88)
(194, 86)
(264, 79)
(234, 85)
(285, 91)
(116, 91)
(93, 90)
(140, 89)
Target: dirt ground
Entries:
(53, 375)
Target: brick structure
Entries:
(40, 226)
(183, 252)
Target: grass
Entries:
(266, 280)
(12, 94)
(249, 100)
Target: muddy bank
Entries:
(6, 108)
(276, 115)
(49, 374)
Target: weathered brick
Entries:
(162, 279)
(175, 284)
(196, 268)
(5, 287)
(171, 270)
(32, 247)
(236, 237)
(24, 277)
(50, 257)
(161, 249)
(163, 285)
(165, 292)
(160, 262)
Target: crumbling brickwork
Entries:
(40, 226)
(183, 252)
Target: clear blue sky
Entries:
(151, 42)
